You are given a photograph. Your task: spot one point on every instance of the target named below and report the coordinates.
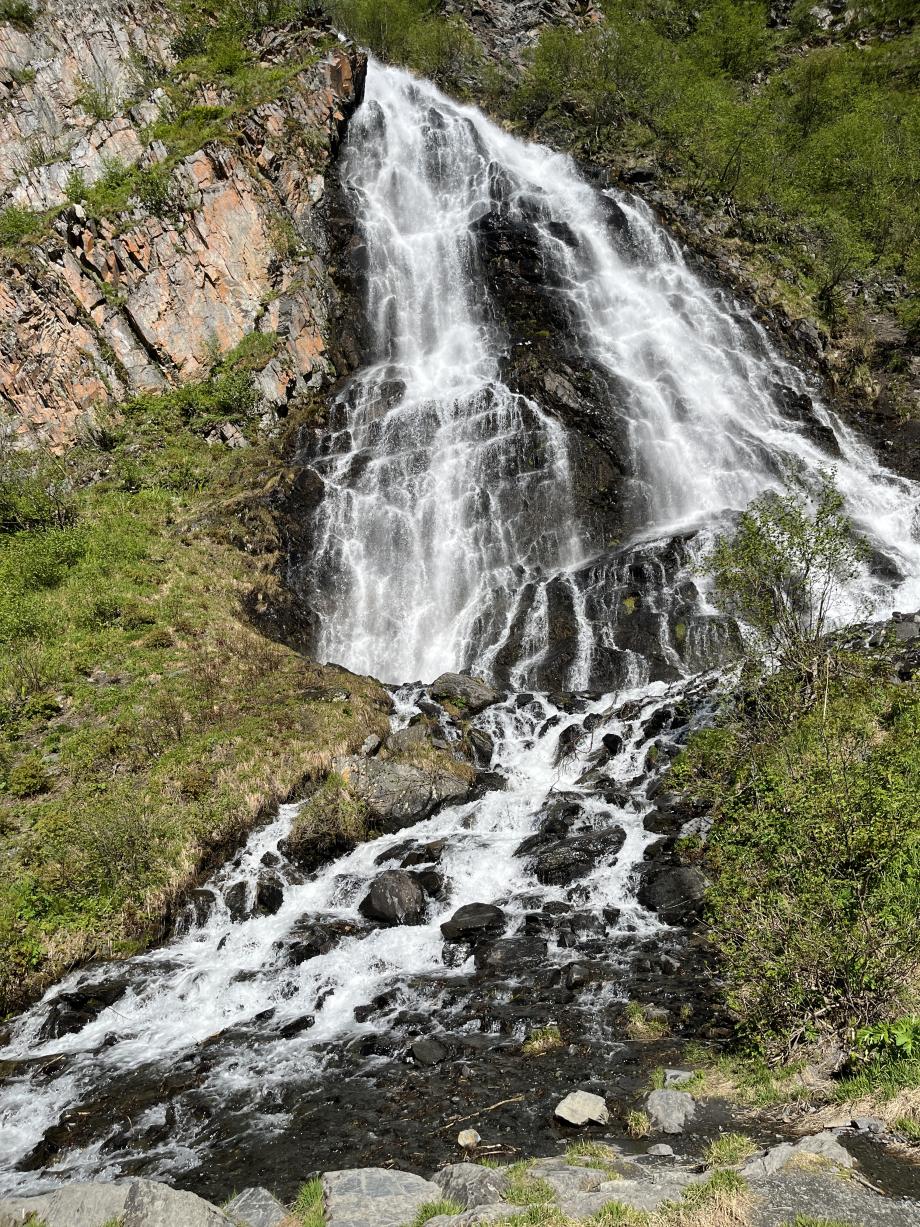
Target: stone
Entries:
(669, 1111)
(471, 1185)
(660, 1150)
(269, 894)
(398, 794)
(582, 1108)
(150, 1204)
(468, 1139)
(569, 859)
(359, 1197)
(428, 1052)
(506, 955)
(472, 921)
(676, 1077)
(256, 1208)
(500, 1212)
(394, 898)
(470, 694)
(72, 1011)
(817, 1145)
(869, 1124)
(675, 892)
(74, 1205)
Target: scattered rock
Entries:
(472, 921)
(375, 1195)
(72, 1011)
(395, 898)
(468, 693)
(818, 1145)
(660, 1150)
(471, 1185)
(397, 794)
(509, 954)
(269, 894)
(675, 892)
(468, 1139)
(256, 1208)
(669, 1111)
(582, 1108)
(428, 1052)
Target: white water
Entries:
(446, 491)
(448, 495)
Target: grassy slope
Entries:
(144, 725)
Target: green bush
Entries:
(18, 13)
(28, 777)
(18, 226)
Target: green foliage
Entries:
(97, 98)
(431, 1209)
(814, 854)
(411, 32)
(781, 572)
(525, 1189)
(308, 1208)
(19, 226)
(28, 777)
(896, 1040)
(543, 1040)
(17, 13)
(729, 1149)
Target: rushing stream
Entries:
(458, 530)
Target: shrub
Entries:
(28, 777)
(18, 13)
(18, 225)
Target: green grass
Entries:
(525, 1189)
(431, 1209)
(638, 1124)
(543, 1040)
(592, 1154)
(308, 1208)
(729, 1150)
(144, 724)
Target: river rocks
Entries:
(469, 694)
(269, 894)
(821, 1145)
(675, 892)
(669, 1111)
(257, 1208)
(72, 1011)
(428, 1052)
(468, 1139)
(133, 1203)
(559, 863)
(582, 1108)
(472, 921)
(395, 898)
(375, 1195)
(471, 1185)
(510, 954)
(398, 794)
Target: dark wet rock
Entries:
(482, 746)
(424, 854)
(569, 739)
(72, 1011)
(235, 897)
(509, 954)
(573, 858)
(395, 898)
(201, 904)
(297, 1027)
(469, 694)
(398, 794)
(473, 921)
(310, 938)
(664, 822)
(675, 892)
(470, 1185)
(428, 1052)
(432, 883)
(269, 894)
(379, 1005)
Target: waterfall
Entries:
(448, 490)
(555, 416)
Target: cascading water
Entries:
(456, 531)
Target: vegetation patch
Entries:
(145, 726)
(543, 1040)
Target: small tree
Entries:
(782, 570)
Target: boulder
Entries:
(366, 1195)
(509, 953)
(582, 1108)
(395, 898)
(256, 1208)
(669, 1111)
(470, 694)
(428, 1051)
(820, 1145)
(567, 860)
(499, 1212)
(661, 1150)
(269, 894)
(675, 892)
(473, 920)
(471, 1185)
(72, 1011)
(398, 795)
(132, 1203)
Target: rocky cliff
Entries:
(160, 208)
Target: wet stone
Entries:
(394, 898)
(472, 921)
